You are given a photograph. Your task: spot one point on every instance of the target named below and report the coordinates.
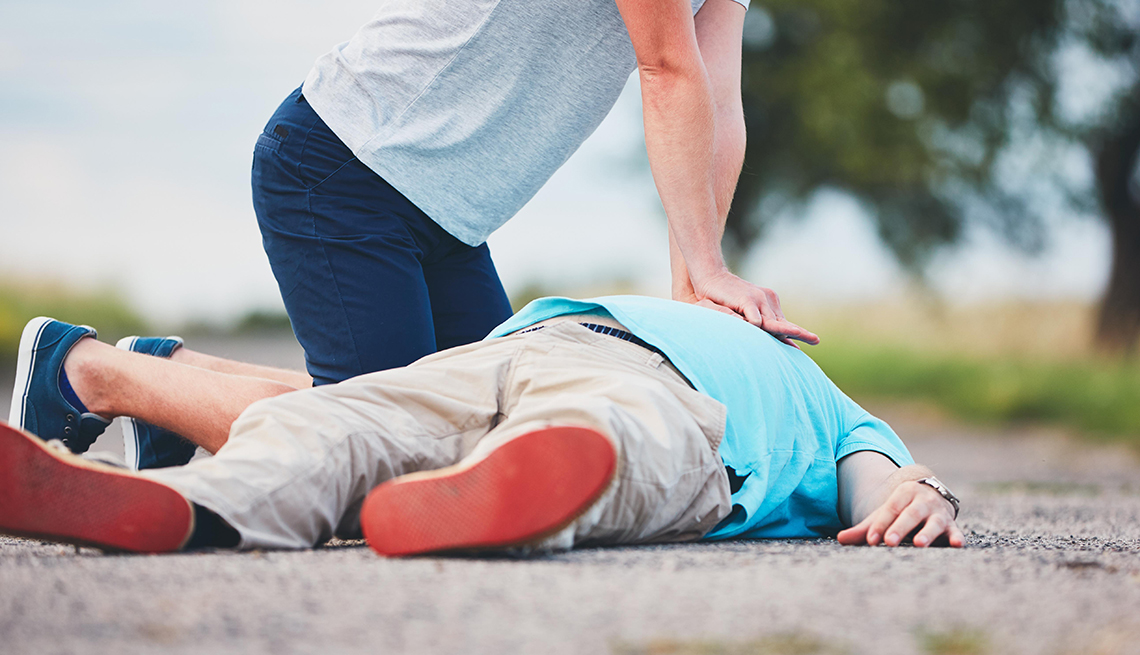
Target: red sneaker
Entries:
(522, 492)
(48, 493)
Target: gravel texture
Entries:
(1052, 566)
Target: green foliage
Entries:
(262, 321)
(1098, 397)
(530, 292)
(954, 642)
(911, 107)
(104, 310)
(534, 290)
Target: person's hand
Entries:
(910, 506)
(683, 292)
(728, 293)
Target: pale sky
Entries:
(126, 133)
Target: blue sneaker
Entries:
(38, 403)
(147, 446)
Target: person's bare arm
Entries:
(718, 24)
(694, 135)
(884, 503)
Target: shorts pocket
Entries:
(710, 414)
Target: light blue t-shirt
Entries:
(787, 426)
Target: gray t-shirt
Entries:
(467, 107)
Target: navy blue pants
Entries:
(370, 282)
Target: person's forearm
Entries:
(867, 479)
(681, 140)
(728, 159)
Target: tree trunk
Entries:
(1119, 325)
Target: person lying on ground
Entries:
(618, 420)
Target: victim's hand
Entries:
(757, 305)
(910, 506)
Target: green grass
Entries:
(1096, 396)
(104, 310)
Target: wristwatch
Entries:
(942, 490)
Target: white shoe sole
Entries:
(25, 364)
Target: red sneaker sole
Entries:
(48, 495)
(522, 492)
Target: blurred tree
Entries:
(936, 115)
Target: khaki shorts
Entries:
(297, 467)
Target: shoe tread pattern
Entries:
(45, 495)
(523, 491)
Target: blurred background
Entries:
(947, 193)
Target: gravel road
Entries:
(1052, 566)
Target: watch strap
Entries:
(936, 484)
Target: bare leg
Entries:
(295, 379)
(197, 403)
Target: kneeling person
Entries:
(618, 420)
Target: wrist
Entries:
(936, 484)
(701, 275)
(684, 292)
(911, 473)
(696, 255)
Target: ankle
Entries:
(211, 531)
(89, 377)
